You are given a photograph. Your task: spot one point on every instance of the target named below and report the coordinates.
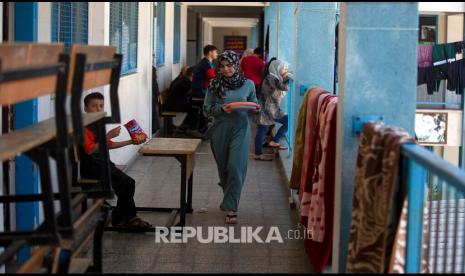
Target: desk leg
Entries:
(183, 191)
(189, 194)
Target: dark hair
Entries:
(190, 71)
(208, 48)
(93, 96)
(258, 51)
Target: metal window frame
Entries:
(177, 35)
(161, 28)
(128, 70)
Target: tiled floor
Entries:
(263, 203)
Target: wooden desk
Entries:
(184, 151)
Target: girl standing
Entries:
(230, 132)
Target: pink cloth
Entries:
(318, 180)
(312, 205)
(425, 56)
(312, 106)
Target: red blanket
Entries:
(318, 177)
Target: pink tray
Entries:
(243, 107)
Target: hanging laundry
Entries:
(443, 53)
(455, 76)
(376, 184)
(313, 201)
(459, 47)
(294, 182)
(425, 56)
(431, 76)
(317, 187)
(309, 141)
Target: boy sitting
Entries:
(124, 215)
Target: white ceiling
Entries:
(455, 7)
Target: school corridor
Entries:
(125, 125)
(264, 203)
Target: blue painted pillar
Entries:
(27, 214)
(254, 37)
(314, 49)
(273, 23)
(286, 53)
(377, 75)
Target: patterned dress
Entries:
(271, 94)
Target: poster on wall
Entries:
(237, 44)
(431, 128)
(427, 29)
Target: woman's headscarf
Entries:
(275, 68)
(247, 53)
(221, 83)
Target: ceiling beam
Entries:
(231, 22)
(229, 4)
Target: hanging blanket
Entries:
(318, 196)
(375, 186)
(309, 141)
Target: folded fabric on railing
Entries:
(374, 214)
(299, 142)
(296, 171)
(317, 177)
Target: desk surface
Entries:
(170, 146)
(196, 99)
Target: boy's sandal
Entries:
(231, 219)
(139, 223)
(135, 223)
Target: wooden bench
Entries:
(35, 135)
(31, 70)
(95, 66)
(170, 118)
(28, 71)
(74, 263)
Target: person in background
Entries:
(273, 88)
(179, 100)
(204, 72)
(253, 67)
(246, 53)
(155, 97)
(230, 132)
(124, 216)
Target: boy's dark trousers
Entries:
(124, 187)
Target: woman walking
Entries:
(273, 89)
(230, 132)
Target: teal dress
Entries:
(229, 139)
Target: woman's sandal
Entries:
(278, 146)
(231, 219)
(262, 158)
